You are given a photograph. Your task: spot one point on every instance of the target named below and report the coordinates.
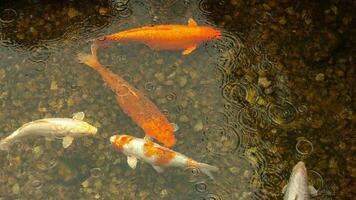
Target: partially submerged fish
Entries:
(297, 187)
(163, 37)
(159, 157)
(66, 128)
(141, 110)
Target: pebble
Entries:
(198, 126)
(264, 82)
(320, 77)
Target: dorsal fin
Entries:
(191, 22)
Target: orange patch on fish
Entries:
(162, 132)
(163, 156)
(191, 163)
(121, 141)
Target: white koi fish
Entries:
(297, 187)
(66, 128)
(159, 157)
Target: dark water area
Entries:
(277, 88)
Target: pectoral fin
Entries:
(312, 191)
(78, 116)
(158, 168)
(132, 161)
(147, 138)
(67, 141)
(189, 50)
(191, 22)
(284, 189)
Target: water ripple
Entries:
(282, 113)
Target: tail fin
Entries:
(207, 169)
(5, 144)
(89, 60)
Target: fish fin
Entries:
(132, 161)
(284, 189)
(89, 60)
(207, 169)
(147, 138)
(158, 168)
(5, 145)
(79, 116)
(67, 141)
(296, 197)
(191, 22)
(312, 191)
(189, 50)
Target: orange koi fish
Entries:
(141, 110)
(159, 157)
(163, 37)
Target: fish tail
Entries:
(207, 169)
(89, 60)
(5, 144)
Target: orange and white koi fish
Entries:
(159, 157)
(141, 110)
(163, 37)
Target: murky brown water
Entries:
(276, 89)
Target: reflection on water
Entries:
(276, 89)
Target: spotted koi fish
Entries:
(141, 109)
(163, 37)
(159, 157)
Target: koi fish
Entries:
(141, 110)
(163, 37)
(297, 188)
(159, 157)
(65, 128)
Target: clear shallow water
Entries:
(275, 90)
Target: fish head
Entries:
(119, 141)
(210, 33)
(82, 128)
(299, 173)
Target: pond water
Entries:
(279, 87)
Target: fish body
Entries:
(159, 157)
(66, 128)
(164, 37)
(297, 187)
(136, 105)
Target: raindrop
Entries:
(201, 187)
(212, 197)
(282, 114)
(252, 119)
(125, 13)
(315, 179)
(96, 172)
(205, 7)
(41, 67)
(39, 53)
(304, 147)
(221, 140)
(171, 97)
(149, 86)
(193, 173)
(120, 5)
(8, 16)
(37, 184)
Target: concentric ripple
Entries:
(8, 16)
(39, 53)
(283, 113)
(252, 119)
(221, 139)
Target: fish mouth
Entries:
(113, 138)
(300, 168)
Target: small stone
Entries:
(264, 82)
(15, 188)
(103, 11)
(182, 81)
(72, 12)
(320, 77)
(37, 151)
(198, 126)
(282, 20)
(159, 61)
(184, 118)
(159, 76)
(85, 183)
(54, 85)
